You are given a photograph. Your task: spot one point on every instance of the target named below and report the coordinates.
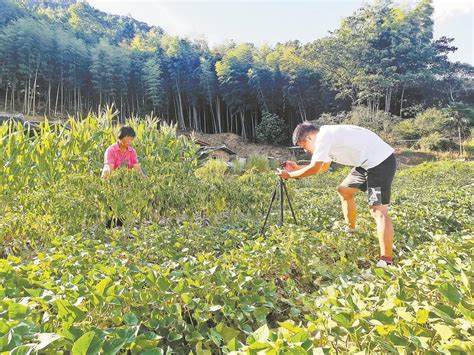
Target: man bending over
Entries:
(374, 166)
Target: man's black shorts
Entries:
(377, 181)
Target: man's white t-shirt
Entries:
(350, 145)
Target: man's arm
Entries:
(310, 169)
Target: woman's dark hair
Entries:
(126, 131)
(302, 130)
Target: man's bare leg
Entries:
(384, 230)
(346, 194)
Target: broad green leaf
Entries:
(300, 337)
(17, 310)
(226, 332)
(261, 334)
(153, 352)
(4, 326)
(130, 319)
(450, 292)
(21, 350)
(402, 313)
(261, 314)
(71, 333)
(466, 312)
(422, 316)
(384, 329)
(397, 340)
(233, 344)
(465, 280)
(201, 351)
(296, 350)
(290, 326)
(81, 345)
(113, 346)
(259, 346)
(194, 336)
(445, 312)
(148, 340)
(215, 337)
(163, 284)
(68, 312)
(444, 331)
(121, 337)
(343, 319)
(45, 339)
(173, 336)
(5, 341)
(186, 297)
(102, 285)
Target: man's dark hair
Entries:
(126, 131)
(302, 130)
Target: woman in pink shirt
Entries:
(121, 154)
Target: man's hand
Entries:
(283, 174)
(303, 171)
(290, 165)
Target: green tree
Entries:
(232, 72)
(153, 77)
(272, 129)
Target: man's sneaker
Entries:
(383, 264)
(349, 230)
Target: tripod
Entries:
(281, 187)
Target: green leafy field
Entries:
(189, 273)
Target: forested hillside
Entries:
(63, 58)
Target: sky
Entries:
(272, 21)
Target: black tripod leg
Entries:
(268, 212)
(289, 203)
(281, 201)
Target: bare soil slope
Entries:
(243, 148)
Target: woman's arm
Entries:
(138, 168)
(106, 171)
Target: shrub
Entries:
(212, 171)
(272, 129)
(468, 147)
(406, 129)
(436, 128)
(432, 141)
(238, 166)
(411, 111)
(327, 118)
(433, 120)
(377, 121)
(257, 162)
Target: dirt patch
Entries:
(409, 157)
(243, 148)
